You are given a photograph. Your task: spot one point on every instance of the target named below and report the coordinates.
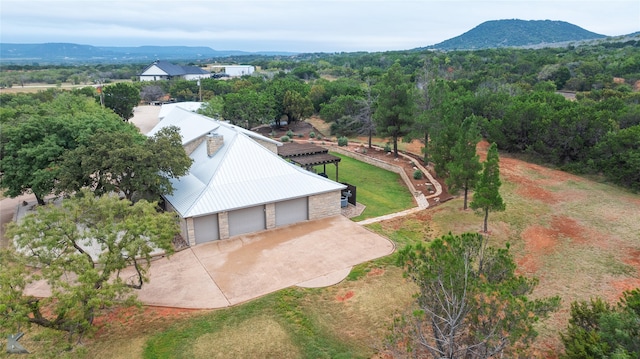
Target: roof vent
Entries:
(214, 143)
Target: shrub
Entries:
(300, 135)
(345, 126)
(285, 139)
(312, 134)
(343, 141)
(387, 148)
(290, 133)
(417, 174)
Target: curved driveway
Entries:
(227, 272)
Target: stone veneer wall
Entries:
(191, 231)
(191, 146)
(324, 205)
(270, 212)
(223, 224)
(183, 223)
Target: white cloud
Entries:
(291, 25)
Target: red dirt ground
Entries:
(531, 182)
(348, 295)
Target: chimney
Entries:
(214, 143)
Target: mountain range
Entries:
(517, 33)
(74, 53)
(490, 34)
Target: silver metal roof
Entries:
(242, 173)
(166, 108)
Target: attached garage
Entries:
(247, 220)
(206, 228)
(292, 211)
(238, 184)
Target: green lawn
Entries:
(370, 182)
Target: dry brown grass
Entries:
(258, 337)
(580, 238)
(36, 87)
(320, 125)
(361, 311)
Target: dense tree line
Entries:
(512, 94)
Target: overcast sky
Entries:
(291, 25)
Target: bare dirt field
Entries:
(580, 238)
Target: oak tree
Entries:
(90, 251)
(127, 163)
(121, 98)
(32, 147)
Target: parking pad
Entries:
(227, 272)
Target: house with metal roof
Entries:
(238, 184)
(163, 70)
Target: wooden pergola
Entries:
(308, 155)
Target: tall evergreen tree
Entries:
(465, 167)
(487, 195)
(395, 106)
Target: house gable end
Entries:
(154, 70)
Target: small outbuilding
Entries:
(233, 70)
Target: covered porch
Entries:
(308, 155)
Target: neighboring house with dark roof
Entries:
(163, 70)
(238, 184)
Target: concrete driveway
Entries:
(223, 273)
(227, 272)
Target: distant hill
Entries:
(516, 33)
(74, 53)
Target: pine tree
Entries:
(487, 195)
(465, 167)
(395, 108)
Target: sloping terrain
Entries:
(516, 33)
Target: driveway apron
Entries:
(222, 273)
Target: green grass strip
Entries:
(382, 191)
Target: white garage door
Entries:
(247, 220)
(292, 211)
(206, 228)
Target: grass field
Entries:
(580, 238)
(369, 179)
(36, 87)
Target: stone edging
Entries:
(393, 168)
